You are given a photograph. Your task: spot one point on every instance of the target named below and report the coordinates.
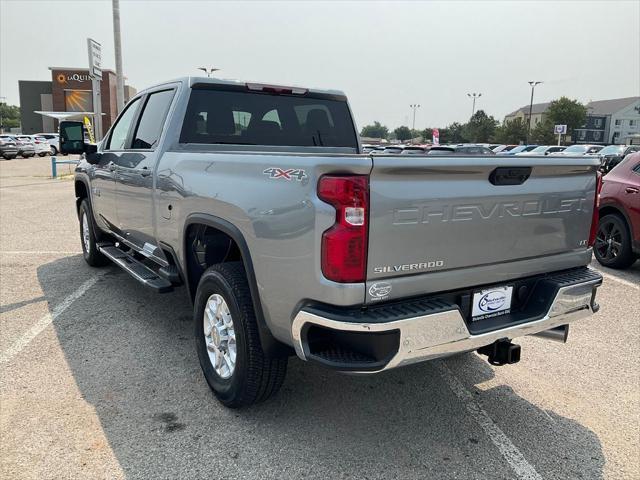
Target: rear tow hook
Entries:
(501, 352)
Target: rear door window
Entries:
(152, 119)
(256, 118)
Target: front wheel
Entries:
(227, 339)
(90, 251)
(613, 243)
(42, 154)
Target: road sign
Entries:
(560, 129)
(95, 58)
(436, 136)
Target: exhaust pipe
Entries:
(558, 334)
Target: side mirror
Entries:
(72, 137)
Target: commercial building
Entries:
(68, 91)
(538, 112)
(615, 121)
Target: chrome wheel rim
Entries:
(85, 233)
(608, 241)
(220, 336)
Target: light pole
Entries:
(1, 125)
(474, 96)
(533, 86)
(208, 70)
(414, 106)
(117, 43)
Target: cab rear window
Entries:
(256, 118)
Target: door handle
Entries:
(112, 167)
(631, 190)
(145, 172)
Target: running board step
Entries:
(136, 269)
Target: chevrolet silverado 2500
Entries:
(289, 240)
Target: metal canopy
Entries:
(66, 115)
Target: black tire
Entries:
(613, 242)
(255, 377)
(54, 150)
(42, 154)
(9, 157)
(90, 250)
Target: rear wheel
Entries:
(54, 150)
(42, 154)
(10, 156)
(613, 242)
(227, 340)
(90, 250)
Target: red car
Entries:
(618, 237)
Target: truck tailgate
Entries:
(446, 222)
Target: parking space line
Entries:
(626, 283)
(39, 252)
(45, 321)
(514, 457)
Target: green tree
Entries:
(376, 130)
(511, 132)
(454, 133)
(402, 133)
(543, 134)
(565, 111)
(480, 127)
(10, 115)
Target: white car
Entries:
(41, 145)
(542, 150)
(578, 150)
(53, 139)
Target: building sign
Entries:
(560, 129)
(95, 58)
(72, 77)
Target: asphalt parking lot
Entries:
(99, 379)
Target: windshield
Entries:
(576, 149)
(612, 150)
(540, 149)
(517, 149)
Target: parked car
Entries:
(542, 150)
(579, 149)
(289, 241)
(41, 145)
(393, 149)
(460, 150)
(613, 154)
(368, 148)
(518, 149)
(618, 235)
(26, 147)
(8, 148)
(414, 150)
(503, 148)
(53, 139)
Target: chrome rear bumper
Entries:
(444, 333)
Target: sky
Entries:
(384, 55)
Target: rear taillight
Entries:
(344, 245)
(596, 207)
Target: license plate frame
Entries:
(491, 302)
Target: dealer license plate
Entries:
(491, 302)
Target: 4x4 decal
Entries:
(289, 174)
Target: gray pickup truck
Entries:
(289, 240)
